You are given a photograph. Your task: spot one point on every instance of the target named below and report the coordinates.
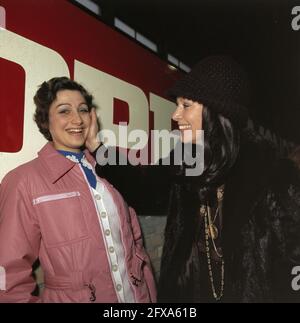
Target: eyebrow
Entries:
(183, 101)
(70, 104)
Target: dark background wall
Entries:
(257, 33)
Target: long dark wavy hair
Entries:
(221, 148)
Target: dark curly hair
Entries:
(47, 93)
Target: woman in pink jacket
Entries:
(56, 209)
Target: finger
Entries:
(94, 119)
(93, 114)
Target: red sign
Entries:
(12, 84)
(65, 29)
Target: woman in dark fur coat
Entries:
(232, 233)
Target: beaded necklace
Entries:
(211, 233)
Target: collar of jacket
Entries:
(57, 165)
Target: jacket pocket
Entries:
(138, 280)
(61, 218)
(136, 273)
(54, 197)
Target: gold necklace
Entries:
(212, 233)
(213, 230)
(210, 272)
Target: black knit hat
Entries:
(219, 83)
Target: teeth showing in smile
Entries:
(75, 130)
(184, 127)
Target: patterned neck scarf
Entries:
(86, 166)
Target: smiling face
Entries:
(69, 120)
(188, 116)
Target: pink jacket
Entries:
(47, 212)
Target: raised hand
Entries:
(92, 141)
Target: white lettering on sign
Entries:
(104, 87)
(39, 63)
(162, 109)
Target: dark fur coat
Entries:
(260, 236)
(261, 226)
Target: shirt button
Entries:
(107, 232)
(114, 267)
(103, 215)
(98, 197)
(111, 249)
(119, 287)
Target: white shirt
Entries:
(109, 221)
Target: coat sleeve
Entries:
(145, 188)
(147, 268)
(19, 241)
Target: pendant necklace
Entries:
(211, 234)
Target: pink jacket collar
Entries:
(56, 163)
